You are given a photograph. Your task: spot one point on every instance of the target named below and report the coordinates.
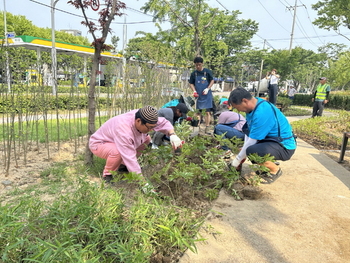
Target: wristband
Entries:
(173, 133)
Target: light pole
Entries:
(53, 49)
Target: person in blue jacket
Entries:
(267, 132)
(201, 81)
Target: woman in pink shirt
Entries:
(121, 139)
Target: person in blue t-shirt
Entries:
(267, 132)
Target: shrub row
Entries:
(39, 103)
(341, 102)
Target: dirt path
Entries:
(303, 217)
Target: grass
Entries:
(40, 130)
(87, 222)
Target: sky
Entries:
(275, 18)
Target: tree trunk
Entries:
(92, 104)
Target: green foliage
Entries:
(341, 102)
(332, 14)
(85, 222)
(325, 131)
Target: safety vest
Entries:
(321, 91)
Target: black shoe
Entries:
(123, 168)
(108, 178)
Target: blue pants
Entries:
(230, 133)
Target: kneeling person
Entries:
(268, 132)
(229, 123)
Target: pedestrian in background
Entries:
(273, 86)
(321, 97)
(201, 81)
(291, 93)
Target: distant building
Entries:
(73, 32)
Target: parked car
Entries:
(172, 91)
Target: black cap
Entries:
(183, 109)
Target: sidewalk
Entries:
(303, 217)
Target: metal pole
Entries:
(53, 50)
(124, 58)
(260, 75)
(291, 35)
(8, 77)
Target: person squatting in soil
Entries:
(230, 124)
(121, 139)
(201, 81)
(273, 78)
(172, 114)
(321, 97)
(267, 132)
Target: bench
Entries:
(346, 136)
(279, 106)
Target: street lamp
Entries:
(53, 50)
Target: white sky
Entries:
(275, 21)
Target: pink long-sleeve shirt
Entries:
(122, 131)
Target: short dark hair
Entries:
(238, 94)
(198, 60)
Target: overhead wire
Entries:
(313, 26)
(94, 19)
(272, 16)
(222, 5)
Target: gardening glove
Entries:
(195, 94)
(235, 162)
(189, 119)
(205, 91)
(176, 142)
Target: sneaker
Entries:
(123, 168)
(107, 178)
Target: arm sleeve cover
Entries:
(247, 142)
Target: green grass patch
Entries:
(47, 130)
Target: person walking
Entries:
(121, 139)
(273, 86)
(201, 81)
(321, 97)
(172, 114)
(267, 131)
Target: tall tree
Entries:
(333, 14)
(111, 8)
(198, 29)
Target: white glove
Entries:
(205, 91)
(235, 162)
(175, 141)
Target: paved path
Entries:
(303, 217)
